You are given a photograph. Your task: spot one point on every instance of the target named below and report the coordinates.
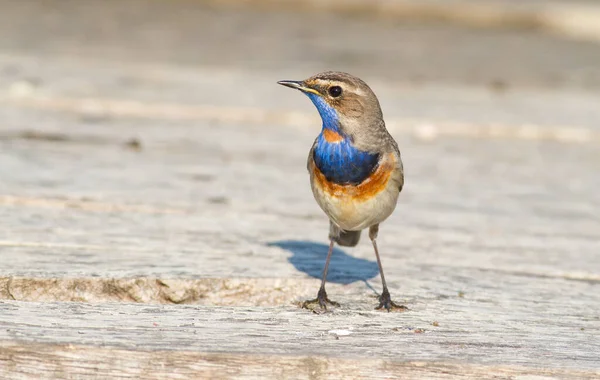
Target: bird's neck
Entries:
(329, 115)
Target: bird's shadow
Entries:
(309, 257)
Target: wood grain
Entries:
(41, 361)
(468, 335)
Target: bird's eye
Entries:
(335, 91)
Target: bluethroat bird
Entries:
(355, 169)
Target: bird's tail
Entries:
(343, 238)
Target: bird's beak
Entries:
(298, 85)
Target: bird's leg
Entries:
(322, 299)
(385, 301)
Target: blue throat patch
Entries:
(340, 162)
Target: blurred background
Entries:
(230, 52)
(418, 54)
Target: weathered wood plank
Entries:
(205, 202)
(469, 336)
(48, 361)
(501, 279)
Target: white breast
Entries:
(354, 208)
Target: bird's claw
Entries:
(322, 300)
(385, 301)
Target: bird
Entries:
(355, 168)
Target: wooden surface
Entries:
(157, 221)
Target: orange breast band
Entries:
(367, 189)
(332, 136)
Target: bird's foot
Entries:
(322, 300)
(385, 301)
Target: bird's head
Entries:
(346, 103)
